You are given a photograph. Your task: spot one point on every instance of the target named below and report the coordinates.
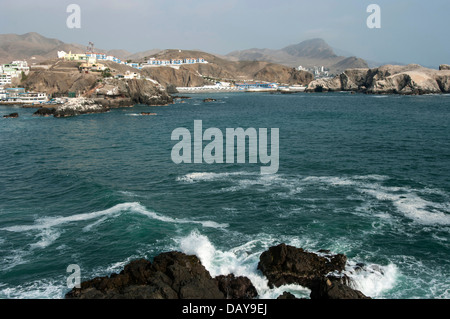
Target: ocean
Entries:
(363, 175)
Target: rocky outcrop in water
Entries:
(172, 275)
(175, 275)
(122, 93)
(388, 79)
(79, 106)
(44, 111)
(11, 116)
(284, 265)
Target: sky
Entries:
(412, 31)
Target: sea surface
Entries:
(363, 175)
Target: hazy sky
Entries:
(412, 31)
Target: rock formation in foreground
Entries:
(172, 275)
(175, 275)
(79, 106)
(322, 274)
(387, 79)
(126, 93)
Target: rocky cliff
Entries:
(388, 79)
(221, 69)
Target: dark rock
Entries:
(330, 288)
(12, 115)
(172, 275)
(171, 89)
(236, 287)
(287, 295)
(44, 111)
(443, 67)
(283, 265)
(209, 100)
(182, 97)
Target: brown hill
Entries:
(221, 69)
(31, 45)
(309, 53)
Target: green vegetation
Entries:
(24, 77)
(107, 73)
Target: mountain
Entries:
(314, 48)
(26, 46)
(309, 53)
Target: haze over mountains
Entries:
(309, 53)
(314, 52)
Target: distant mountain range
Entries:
(310, 53)
(34, 45)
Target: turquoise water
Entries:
(367, 176)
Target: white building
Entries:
(5, 79)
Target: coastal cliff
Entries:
(175, 275)
(388, 79)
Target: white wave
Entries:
(240, 261)
(49, 222)
(413, 206)
(372, 280)
(16, 258)
(41, 289)
(47, 234)
(208, 176)
(406, 200)
(127, 193)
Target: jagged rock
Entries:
(286, 295)
(329, 288)
(443, 67)
(236, 287)
(12, 115)
(283, 265)
(388, 79)
(44, 111)
(172, 275)
(119, 93)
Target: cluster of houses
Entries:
(12, 70)
(171, 62)
(8, 95)
(91, 58)
(318, 71)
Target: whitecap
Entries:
(40, 289)
(49, 222)
(372, 280)
(208, 176)
(240, 261)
